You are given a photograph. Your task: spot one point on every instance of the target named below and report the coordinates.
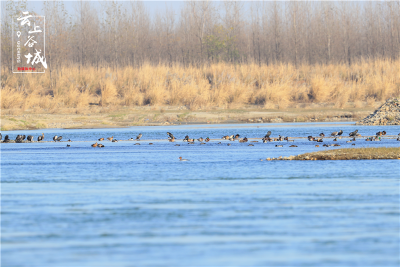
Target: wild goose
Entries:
(138, 137)
(29, 138)
(353, 133)
(40, 137)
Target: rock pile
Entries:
(387, 114)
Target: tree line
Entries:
(118, 34)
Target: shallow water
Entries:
(127, 205)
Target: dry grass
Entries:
(278, 86)
(352, 153)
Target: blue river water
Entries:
(138, 205)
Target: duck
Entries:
(290, 140)
(278, 145)
(268, 134)
(348, 141)
(186, 139)
(250, 145)
(336, 145)
(59, 138)
(334, 134)
(353, 144)
(379, 134)
(244, 140)
(55, 138)
(202, 143)
(207, 139)
(131, 139)
(316, 145)
(137, 144)
(138, 137)
(170, 135)
(322, 134)
(384, 133)
(171, 139)
(69, 140)
(320, 140)
(150, 143)
(110, 138)
(100, 145)
(229, 144)
(200, 139)
(326, 145)
(1, 137)
(177, 145)
(335, 139)
(293, 146)
(226, 137)
(181, 159)
(310, 138)
(68, 145)
(94, 145)
(101, 139)
(6, 139)
(237, 136)
(190, 140)
(254, 141)
(340, 132)
(114, 140)
(29, 138)
(40, 137)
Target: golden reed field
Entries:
(278, 86)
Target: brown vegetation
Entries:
(223, 85)
(349, 153)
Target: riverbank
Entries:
(100, 117)
(348, 154)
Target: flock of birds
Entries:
(171, 138)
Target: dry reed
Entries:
(276, 86)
